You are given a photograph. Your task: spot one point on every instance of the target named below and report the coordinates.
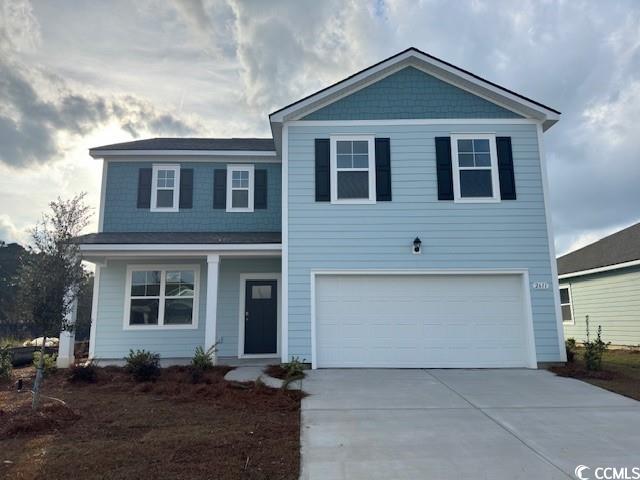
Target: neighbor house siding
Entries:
(611, 299)
(410, 93)
(505, 235)
(122, 215)
(113, 342)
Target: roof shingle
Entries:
(238, 144)
(620, 247)
(167, 238)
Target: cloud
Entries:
(8, 231)
(38, 107)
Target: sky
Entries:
(77, 74)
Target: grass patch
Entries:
(117, 428)
(620, 371)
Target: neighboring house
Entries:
(602, 280)
(397, 218)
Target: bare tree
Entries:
(49, 280)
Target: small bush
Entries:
(295, 368)
(203, 360)
(144, 366)
(5, 364)
(570, 347)
(49, 362)
(87, 373)
(594, 349)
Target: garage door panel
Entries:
(420, 321)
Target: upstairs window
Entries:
(240, 188)
(565, 304)
(165, 191)
(353, 169)
(475, 168)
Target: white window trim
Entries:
(573, 317)
(334, 169)
(163, 269)
(154, 188)
(495, 180)
(239, 168)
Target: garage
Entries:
(421, 320)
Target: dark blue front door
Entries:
(261, 317)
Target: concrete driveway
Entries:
(462, 424)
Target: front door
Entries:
(261, 317)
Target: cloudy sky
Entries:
(78, 74)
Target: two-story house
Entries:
(398, 218)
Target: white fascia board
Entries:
(608, 268)
(181, 153)
(429, 65)
(187, 247)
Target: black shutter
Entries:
(186, 188)
(505, 168)
(260, 189)
(144, 188)
(383, 170)
(444, 169)
(220, 188)
(323, 172)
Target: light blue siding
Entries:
(121, 214)
(410, 93)
(113, 342)
(509, 234)
(611, 299)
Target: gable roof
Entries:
(619, 248)
(188, 144)
(434, 66)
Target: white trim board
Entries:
(103, 194)
(552, 247)
(607, 268)
(530, 338)
(241, 309)
(180, 247)
(182, 153)
(429, 65)
(285, 246)
(414, 121)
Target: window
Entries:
(161, 297)
(165, 184)
(565, 304)
(353, 178)
(475, 168)
(240, 188)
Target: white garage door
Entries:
(422, 321)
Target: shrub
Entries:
(570, 347)
(49, 362)
(5, 364)
(593, 349)
(295, 368)
(87, 373)
(203, 360)
(144, 366)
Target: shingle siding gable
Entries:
(410, 93)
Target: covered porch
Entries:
(170, 297)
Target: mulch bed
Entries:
(170, 428)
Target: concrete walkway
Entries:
(462, 424)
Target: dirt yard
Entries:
(169, 429)
(620, 371)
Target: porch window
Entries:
(162, 297)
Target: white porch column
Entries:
(67, 339)
(213, 269)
